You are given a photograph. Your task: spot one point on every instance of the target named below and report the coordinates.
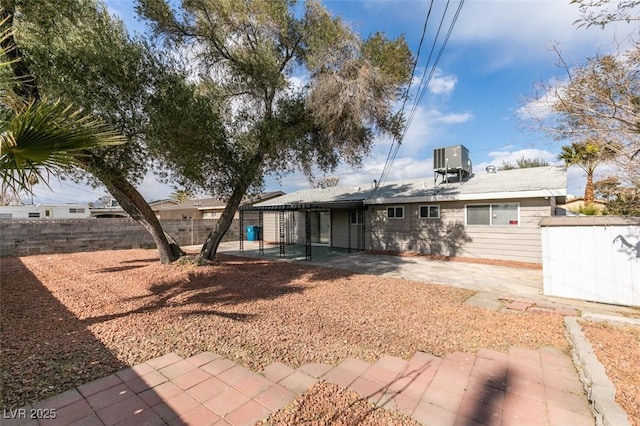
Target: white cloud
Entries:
(442, 84)
(521, 31)
(512, 156)
(435, 116)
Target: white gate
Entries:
(595, 258)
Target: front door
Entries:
(320, 227)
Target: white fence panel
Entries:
(593, 258)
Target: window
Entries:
(34, 214)
(356, 217)
(395, 212)
(209, 215)
(6, 215)
(493, 214)
(76, 210)
(430, 212)
(47, 213)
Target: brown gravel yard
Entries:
(618, 349)
(68, 319)
(327, 404)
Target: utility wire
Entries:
(387, 164)
(422, 87)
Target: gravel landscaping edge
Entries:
(600, 391)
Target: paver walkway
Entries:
(521, 387)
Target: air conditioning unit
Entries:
(452, 160)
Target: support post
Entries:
(261, 236)
(363, 228)
(307, 234)
(241, 231)
(282, 234)
(351, 211)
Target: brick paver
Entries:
(520, 387)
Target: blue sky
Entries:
(496, 53)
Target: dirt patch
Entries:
(327, 404)
(618, 349)
(496, 262)
(71, 318)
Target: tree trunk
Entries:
(136, 206)
(210, 246)
(589, 196)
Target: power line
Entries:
(423, 85)
(391, 153)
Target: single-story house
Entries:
(45, 211)
(492, 215)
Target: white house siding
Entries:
(451, 237)
(592, 258)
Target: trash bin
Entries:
(253, 233)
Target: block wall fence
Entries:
(22, 237)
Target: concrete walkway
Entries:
(521, 387)
(496, 286)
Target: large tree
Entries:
(295, 88)
(75, 50)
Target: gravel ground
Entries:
(618, 349)
(327, 404)
(67, 319)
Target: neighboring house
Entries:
(45, 211)
(573, 205)
(492, 215)
(205, 208)
(107, 207)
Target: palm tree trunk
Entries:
(589, 193)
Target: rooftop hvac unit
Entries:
(452, 160)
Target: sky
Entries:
(497, 51)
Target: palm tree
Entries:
(181, 195)
(587, 155)
(39, 138)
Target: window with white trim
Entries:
(395, 212)
(34, 214)
(430, 211)
(499, 214)
(356, 217)
(76, 210)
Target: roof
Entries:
(337, 197)
(590, 221)
(214, 203)
(517, 183)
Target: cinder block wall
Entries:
(21, 237)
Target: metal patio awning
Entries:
(306, 206)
